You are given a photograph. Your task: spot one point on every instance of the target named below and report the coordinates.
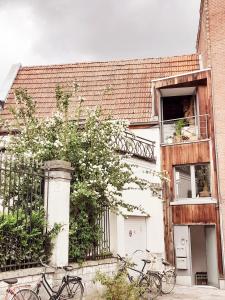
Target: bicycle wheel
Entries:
(25, 294)
(73, 290)
(151, 286)
(168, 281)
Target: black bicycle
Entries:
(150, 284)
(71, 287)
(168, 275)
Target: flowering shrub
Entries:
(100, 173)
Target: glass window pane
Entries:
(202, 180)
(183, 182)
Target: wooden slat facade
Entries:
(194, 214)
(191, 153)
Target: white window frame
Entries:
(193, 185)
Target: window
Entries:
(179, 119)
(192, 181)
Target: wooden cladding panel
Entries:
(190, 153)
(191, 79)
(172, 155)
(194, 214)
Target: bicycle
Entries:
(168, 275)
(71, 287)
(19, 292)
(150, 285)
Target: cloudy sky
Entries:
(63, 31)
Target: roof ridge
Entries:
(158, 59)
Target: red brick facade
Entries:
(211, 45)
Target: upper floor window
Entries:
(192, 181)
(180, 121)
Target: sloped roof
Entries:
(122, 88)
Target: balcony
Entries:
(184, 130)
(136, 146)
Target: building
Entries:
(176, 102)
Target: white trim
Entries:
(180, 75)
(193, 180)
(191, 201)
(8, 82)
(174, 92)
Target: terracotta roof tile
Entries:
(129, 81)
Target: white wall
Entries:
(152, 205)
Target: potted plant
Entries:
(178, 130)
(203, 182)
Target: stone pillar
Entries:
(57, 206)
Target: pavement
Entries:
(194, 293)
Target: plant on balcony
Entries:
(179, 124)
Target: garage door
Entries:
(135, 239)
(135, 234)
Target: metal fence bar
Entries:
(21, 206)
(102, 249)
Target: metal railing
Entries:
(181, 130)
(135, 145)
(21, 213)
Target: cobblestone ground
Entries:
(195, 293)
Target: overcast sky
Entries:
(63, 31)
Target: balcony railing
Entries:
(136, 146)
(188, 129)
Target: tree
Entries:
(83, 138)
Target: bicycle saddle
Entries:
(10, 281)
(165, 263)
(74, 278)
(68, 268)
(147, 261)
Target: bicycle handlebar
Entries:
(66, 268)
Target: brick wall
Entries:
(203, 40)
(211, 44)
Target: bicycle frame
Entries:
(52, 294)
(141, 273)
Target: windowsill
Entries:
(189, 201)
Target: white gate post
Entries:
(57, 206)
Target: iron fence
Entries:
(22, 217)
(102, 248)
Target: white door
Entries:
(135, 238)
(211, 255)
